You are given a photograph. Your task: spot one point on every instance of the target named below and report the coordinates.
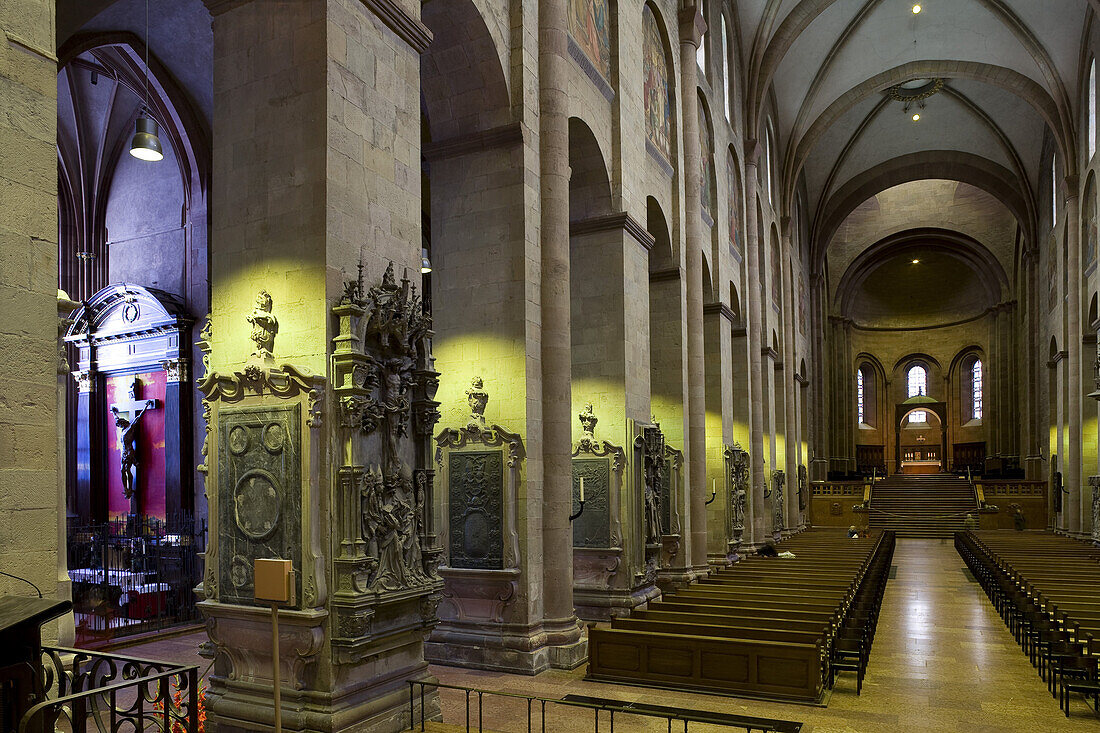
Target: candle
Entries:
(713, 486)
(582, 488)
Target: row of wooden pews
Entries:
(765, 627)
(1047, 589)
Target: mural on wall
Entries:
(734, 198)
(588, 27)
(706, 165)
(1090, 223)
(658, 109)
(135, 455)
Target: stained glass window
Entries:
(976, 381)
(859, 395)
(918, 385)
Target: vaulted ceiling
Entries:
(820, 72)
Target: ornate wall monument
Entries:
(483, 619)
(605, 567)
(346, 499)
(729, 501)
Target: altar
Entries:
(921, 467)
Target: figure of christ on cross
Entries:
(128, 415)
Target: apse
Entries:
(921, 285)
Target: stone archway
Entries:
(902, 410)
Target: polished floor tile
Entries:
(942, 661)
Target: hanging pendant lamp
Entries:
(146, 143)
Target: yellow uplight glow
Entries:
(916, 9)
(916, 262)
(916, 118)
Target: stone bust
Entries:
(477, 398)
(264, 327)
(588, 422)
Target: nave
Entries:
(942, 661)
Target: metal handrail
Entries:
(85, 694)
(684, 716)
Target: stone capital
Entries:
(692, 25)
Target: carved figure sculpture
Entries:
(477, 398)
(588, 422)
(264, 327)
(654, 456)
(130, 459)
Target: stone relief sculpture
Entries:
(801, 488)
(654, 442)
(384, 384)
(264, 327)
(779, 478)
(737, 479)
(588, 423)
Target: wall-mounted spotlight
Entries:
(917, 9)
(425, 263)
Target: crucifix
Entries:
(128, 414)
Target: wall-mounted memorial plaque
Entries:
(593, 527)
(476, 509)
(259, 482)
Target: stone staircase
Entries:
(921, 506)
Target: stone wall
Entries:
(28, 299)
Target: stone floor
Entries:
(942, 661)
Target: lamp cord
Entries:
(24, 580)
(146, 56)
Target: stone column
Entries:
(692, 27)
(756, 331)
(559, 619)
(1030, 356)
(788, 383)
(819, 461)
(66, 625)
(28, 299)
(316, 148)
(1072, 474)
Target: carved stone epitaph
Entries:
(476, 509)
(259, 483)
(593, 527)
(737, 478)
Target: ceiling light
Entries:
(916, 262)
(916, 118)
(916, 9)
(146, 144)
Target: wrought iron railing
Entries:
(537, 716)
(132, 578)
(90, 691)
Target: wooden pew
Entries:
(762, 628)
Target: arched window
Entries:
(1092, 109)
(866, 396)
(859, 395)
(1053, 191)
(768, 183)
(701, 53)
(726, 86)
(917, 384)
(976, 389)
